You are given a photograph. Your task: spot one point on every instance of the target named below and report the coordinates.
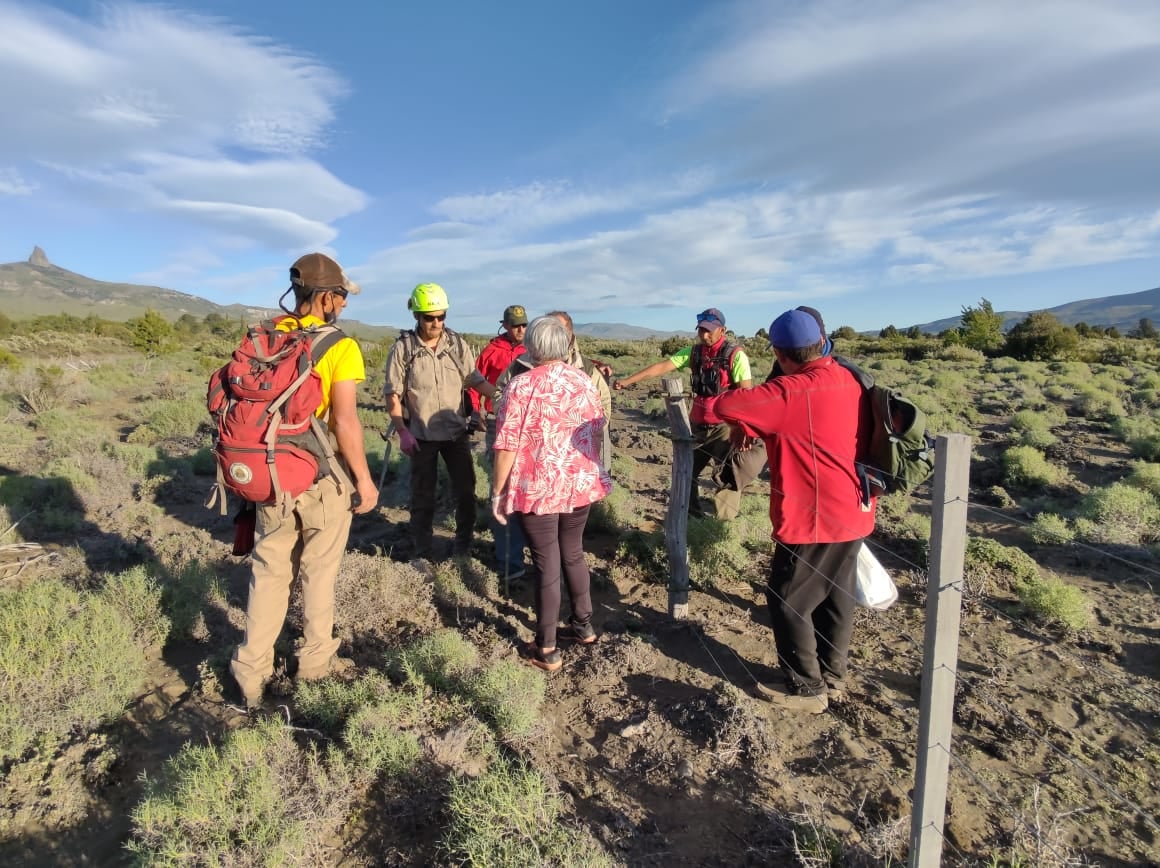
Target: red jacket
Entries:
(809, 422)
(493, 361)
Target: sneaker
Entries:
(334, 666)
(582, 633)
(549, 661)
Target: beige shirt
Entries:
(430, 382)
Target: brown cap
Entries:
(319, 271)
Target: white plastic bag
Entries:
(874, 589)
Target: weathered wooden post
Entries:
(677, 520)
(940, 652)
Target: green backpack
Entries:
(899, 453)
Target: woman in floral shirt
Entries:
(547, 475)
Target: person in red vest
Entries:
(716, 365)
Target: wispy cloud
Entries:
(12, 183)
(153, 109)
(839, 146)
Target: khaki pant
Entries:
(307, 542)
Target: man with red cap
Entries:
(716, 366)
(810, 418)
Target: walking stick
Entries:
(386, 435)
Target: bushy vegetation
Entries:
(1054, 602)
(1119, 514)
(259, 799)
(69, 660)
(1027, 467)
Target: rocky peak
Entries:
(39, 258)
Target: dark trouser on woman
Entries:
(557, 539)
(811, 604)
(424, 475)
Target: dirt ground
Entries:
(653, 732)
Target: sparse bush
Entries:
(1034, 429)
(170, 419)
(137, 596)
(440, 661)
(1145, 475)
(68, 661)
(1050, 529)
(382, 739)
(509, 695)
(509, 816)
(1054, 602)
(42, 389)
(1091, 402)
(329, 702)
(259, 799)
(1119, 514)
(990, 566)
(1025, 466)
(185, 595)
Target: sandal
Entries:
(549, 661)
(582, 633)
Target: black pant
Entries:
(424, 475)
(811, 604)
(555, 539)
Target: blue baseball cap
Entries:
(794, 329)
(711, 319)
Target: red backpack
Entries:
(269, 445)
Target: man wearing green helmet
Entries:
(428, 370)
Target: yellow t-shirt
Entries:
(343, 361)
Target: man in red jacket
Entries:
(500, 352)
(810, 419)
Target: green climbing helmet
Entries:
(427, 297)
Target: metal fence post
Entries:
(677, 519)
(940, 657)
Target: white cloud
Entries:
(149, 108)
(12, 183)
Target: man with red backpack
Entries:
(305, 535)
(716, 366)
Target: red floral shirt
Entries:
(552, 420)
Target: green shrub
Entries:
(1050, 529)
(440, 660)
(509, 695)
(68, 661)
(185, 595)
(259, 799)
(990, 565)
(382, 738)
(1119, 514)
(1034, 428)
(329, 702)
(169, 419)
(1052, 601)
(1145, 475)
(1025, 466)
(137, 596)
(1091, 402)
(510, 817)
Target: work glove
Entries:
(407, 442)
(475, 424)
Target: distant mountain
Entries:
(39, 288)
(1122, 311)
(618, 331)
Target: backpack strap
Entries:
(869, 478)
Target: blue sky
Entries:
(885, 161)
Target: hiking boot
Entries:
(334, 666)
(549, 661)
(799, 698)
(462, 547)
(577, 632)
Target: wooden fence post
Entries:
(677, 519)
(940, 653)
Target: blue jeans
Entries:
(509, 544)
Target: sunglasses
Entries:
(434, 317)
(340, 292)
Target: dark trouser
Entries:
(554, 539)
(735, 469)
(424, 474)
(811, 604)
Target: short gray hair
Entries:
(547, 340)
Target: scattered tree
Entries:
(982, 327)
(1144, 330)
(1042, 337)
(889, 333)
(845, 333)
